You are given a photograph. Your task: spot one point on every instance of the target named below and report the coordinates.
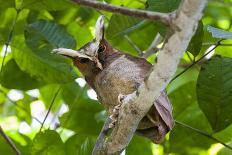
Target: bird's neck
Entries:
(110, 54)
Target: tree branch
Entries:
(163, 17)
(136, 105)
(152, 49)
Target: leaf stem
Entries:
(9, 38)
(195, 62)
(50, 107)
(9, 141)
(203, 133)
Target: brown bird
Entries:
(112, 73)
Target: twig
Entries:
(9, 38)
(152, 49)
(99, 145)
(222, 44)
(195, 62)
(133, 45)
(50, 107)
(203, 133)
(9, 141)
(163, 17)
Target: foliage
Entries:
(31, 76)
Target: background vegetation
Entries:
(46, 108)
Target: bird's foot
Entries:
(122, 99)
(114, 115)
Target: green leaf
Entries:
(42, 37)
(120, 25)
(163, 5)
(79, 145)
(47, 143)
(219, 33)
(183, 97)
(23, 109)
(186, 110)
(225, 151)
(43, 32)
(47, 94)
(5, 147)
(47, 4)
(139, 145)
(7, 4)
(82, 113)
(19, 80)
(196, 41)
(214, 92)
(135, 29)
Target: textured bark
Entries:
(136, 106)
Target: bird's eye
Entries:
(84, 60)
(101, 49)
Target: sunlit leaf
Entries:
(219, 33)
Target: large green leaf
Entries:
(48, 94)
(163, 5)
(46, 32)
(19, 80)
(196, 41)
(7, 4)
(46, 4)
(82, 113)
(135, 29)
(183, 97)
(47, 143)
(79, 145)
(42, 37)
(186, 110)
(214, 92)
(139, 145)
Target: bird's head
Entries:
(89, 58)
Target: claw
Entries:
(114, 115)
(121, 98)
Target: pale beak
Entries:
(70, 53)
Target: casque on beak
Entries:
(72, 53)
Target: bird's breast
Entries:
(122, 76)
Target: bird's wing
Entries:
(164, 108)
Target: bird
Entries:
(113, 74)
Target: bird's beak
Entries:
(69, 53)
